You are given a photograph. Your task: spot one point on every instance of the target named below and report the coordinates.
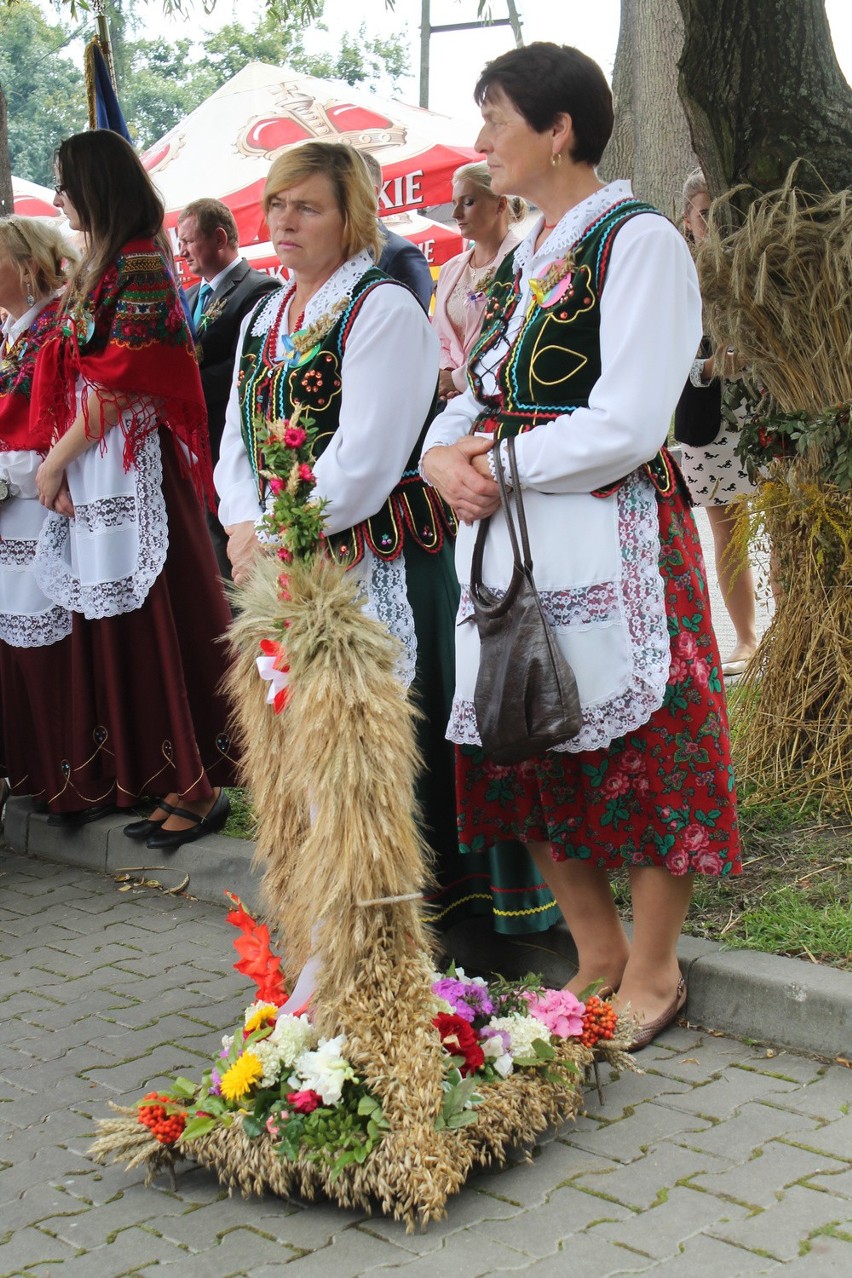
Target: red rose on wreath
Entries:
(460, 1039)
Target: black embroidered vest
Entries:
(269, 391)
(554, 360)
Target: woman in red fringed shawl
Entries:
(34, 632)
(125, 547)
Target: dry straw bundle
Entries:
(342, 862)
(779, 291)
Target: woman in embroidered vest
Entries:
(484, 219)
(125, 547)
(589, 332)
(34, 645)
(354, 346)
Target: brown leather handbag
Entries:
(526, 697)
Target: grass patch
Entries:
(242, 823)
(793, 896)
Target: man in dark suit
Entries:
(399, 258)
(229, 289)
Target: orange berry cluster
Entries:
(598, 1022)
(165, 1126)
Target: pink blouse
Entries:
(457, 338)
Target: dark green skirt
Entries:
(500, 882)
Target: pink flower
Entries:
(701, 673)
(677, 861)
(707, 862)
(276, 485)
(295, 436)
(632, 761)
(615, 784)
(275, 1125)
(695, 838)
(304, 1102)
(306, 473)
(686, 645)
(559, 1011)
(285, 555)
(678, 670)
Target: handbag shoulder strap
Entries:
(482, 531)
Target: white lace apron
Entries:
(28, 618)
(103, 562)
(596, 566)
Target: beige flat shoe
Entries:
(647, 1033)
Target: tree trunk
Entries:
(761, 87)
(7, 199)
(650, 142)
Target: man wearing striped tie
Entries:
(229, 288)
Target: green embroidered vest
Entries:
(270, 390)
(554, 360)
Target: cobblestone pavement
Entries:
(722, 1159)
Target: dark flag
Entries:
(104, 109)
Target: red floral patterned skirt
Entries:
(662, 795)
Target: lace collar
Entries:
(569, 228)
(323, 302)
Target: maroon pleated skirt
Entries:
(130, 706)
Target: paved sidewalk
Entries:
(724, 1158)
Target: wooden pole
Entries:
(99, 10)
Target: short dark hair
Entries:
(209, 215)
(543, 80)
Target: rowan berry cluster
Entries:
(598, 1021)
(164, 1126)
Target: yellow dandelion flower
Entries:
(241, 1077)
(262, 1013)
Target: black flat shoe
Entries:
(72, 819)
(170, 840)
(145, 828)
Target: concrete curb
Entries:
(781, 1001)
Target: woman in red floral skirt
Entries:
(589, 332)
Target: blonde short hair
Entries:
(350, 181)
(695, 184)
(38, 251)
(478, 174)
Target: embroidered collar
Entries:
(326, 300)
(568, 230)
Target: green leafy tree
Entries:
(43, 89)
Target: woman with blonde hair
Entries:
(34, 645)
(354, 347)
(484, 219)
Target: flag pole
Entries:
(99, 10)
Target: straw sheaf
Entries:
(342, 754)
(793, 718)
(409, 1176)
(779, 291)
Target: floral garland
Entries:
(276, 1075)
(294, 523)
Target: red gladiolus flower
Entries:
(257, 960)
(460, 1039)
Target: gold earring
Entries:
(556, 159)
